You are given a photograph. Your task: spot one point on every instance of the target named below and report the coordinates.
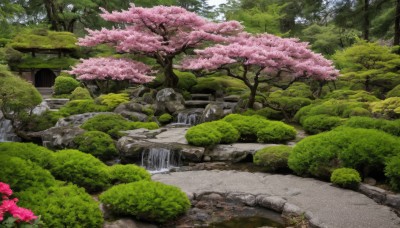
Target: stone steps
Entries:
(56, 103)
(201, 96)
(45, 91)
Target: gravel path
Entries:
(332, 206)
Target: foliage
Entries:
(320, 123)
(395, 92)
(112, 100)
(80, 94)
(276, 132)
(35, 122)
(112, 124)
(32, 39)
(203, 135)
(128, 173)
(389, 108)
(351, 95)
(266, 112)
(29, 151)
(273, 158)
(65, 85)
(151, 201)
(392, 172)
(346, 178)
(214, 83)
(81, 106)
(81, 169)
(362, 149)
(22, 174)
(391, 127)
(63, 206)
(288, 106)
(96, 143)
(165, 118)
(186, 80)
(28, 62)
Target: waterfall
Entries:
(188, 118)
(7, 131)
(158, 160)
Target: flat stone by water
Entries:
(332, 206)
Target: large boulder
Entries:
(234, 153)
(213, 111)
(77, 120)
(170, 101)
(131, 110)
(57, 138)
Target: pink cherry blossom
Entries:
(5, 189)
(114, 69)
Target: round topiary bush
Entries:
(81, 169)
(358, 111)
(361, 149)
(128, 173)
(203, 135)
(65, 85)
(320, 123)
(165, 118)
(229, 134)
(22, 174)
(28, 151)
(276, 132)
(273, 158)
(346, 178)
(96, 143)
(112, 100)
(151, 201)
(80, 94)
(392, 172)
(389, 126)
(248, 126)
(63, 206)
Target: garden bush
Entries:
(165, 118)
(320, 123)
(346, 178)
(29, 151)
(276, 132)
(81, 106)
(81, 169)
(112, 100)
(65, 85)
(228, 133)
(40, 122)
(213, 83)
(186, 80)
(362, 149)
(389, 108)
(21, 174)
(112, 124)
(270, 113)
(288, 106)
(358, 111)
(128, 173)
(96, 143)
(392, 172)
(151, 201)
(273, 158)
(389, 126)
(395, 92)
(203, 135)
(351, 95)
(80, 94)
(63, 206)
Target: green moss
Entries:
(273, 158)
(29, 62)
(151, 201)
(165, 118)
(276, 132)
(346, 178)
(128, 173)
(214, 83)
(81, 106)
(389, 126)
(96, 143)
(203, 135)
(389, 108)
(112, 100)
(32, 39)
(186, 80)
(395, 92)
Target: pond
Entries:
(247, 222)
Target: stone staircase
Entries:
(56, 103)
(46, 92)
(199, 100)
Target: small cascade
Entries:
(158, 160)
(190, 119)
(7, 132)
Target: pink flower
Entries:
(5, 189)
(11, 207)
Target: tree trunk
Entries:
(252, 97)
(171, 80)
(366, 20)
(397, 24)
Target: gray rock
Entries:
(377, 194)
(393, 201)
(275, 203)
(169, 100)
(127, 223)
(247, 199)
(139, 91)
(57, 138)
(370, 181)
(213, 111)
(257, 106)
(77, 120)
(292, 210)
(235, 152)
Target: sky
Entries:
(216, 2)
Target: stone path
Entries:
(333, 207)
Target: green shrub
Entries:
(165, 118)
(203, 135)
(358, 111)
(63, 206)
(22, 174)
(298, 89)
(395, 92)
(228, 133)
(352, 95)
(112, 100)
(362, 149)
(388, 126)
(392, 171)
(346, 178)
(273, 158)
(186, 80)
(96, 143)
(288, 105)
(211, 84)
(148, 111)
(276, 132)
(28, 151)
(65, 85)
(80, 94)
(151, 201)
(320, 123)
(112, 124)
(389, 108)
(40, 122)
(81, 169)
(81, 106)
(128, 173)
(270, 113)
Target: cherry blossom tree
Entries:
(262, 58)
(160, 32)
